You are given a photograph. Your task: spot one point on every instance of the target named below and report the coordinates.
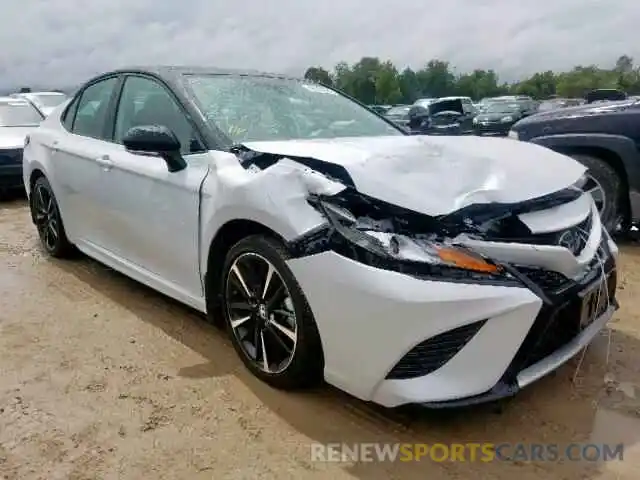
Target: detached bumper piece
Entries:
(557, 325)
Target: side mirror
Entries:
(155, 140)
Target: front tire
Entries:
(605, 185)
(267, 315)
(45, 213)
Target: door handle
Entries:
(105, 162)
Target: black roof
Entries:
(173, 71)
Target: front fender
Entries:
(275, 198)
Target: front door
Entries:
(152, 214)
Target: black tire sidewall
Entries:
(307, 364)
(611, 183)
(62, 245)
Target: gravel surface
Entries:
(101, 378)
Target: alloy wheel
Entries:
(261, 313)
(46, 217)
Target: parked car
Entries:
(403, 269)
(604, 137)
(526, 104)
(380, 109)
(555, 103)
(45, 102)
(497, 118)
(399, 115)
(605, 95)
(17, 118)
(424, 102)
(444, 116)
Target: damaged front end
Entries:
(552, 245)
(382, 235)
(386, 236)
(479, 243)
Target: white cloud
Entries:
(63, 42)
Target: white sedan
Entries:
(17, 118)
(402, 269)
(45, 102)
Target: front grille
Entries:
(548, 280)
(11, 157)
(433, 353)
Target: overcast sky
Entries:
(62, 42)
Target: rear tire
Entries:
(45, 213)
(603, 177)
(276, 319)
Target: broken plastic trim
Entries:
(262, 160)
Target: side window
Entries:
(146, 102)
(92, 109)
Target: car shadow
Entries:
(590, 401)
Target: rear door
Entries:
(78, 159)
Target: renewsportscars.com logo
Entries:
(466, 452)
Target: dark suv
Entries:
(604, 137)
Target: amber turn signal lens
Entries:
(460, 259)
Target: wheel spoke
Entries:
(53, 229)
(40, 199)
(277, 296)
(267, 281)
(290, 334)
(265, 360)
(240, 278)
(239, 321)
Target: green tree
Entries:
(372, 80)
(319, 75)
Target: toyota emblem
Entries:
(570, 240)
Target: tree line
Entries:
(375, 81)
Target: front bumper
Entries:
(372, 322)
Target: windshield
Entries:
(399, 111)
(265, 109)
(501, 107)
(18, 114)
(48, 100)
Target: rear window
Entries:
(19, 114)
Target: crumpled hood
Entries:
(13, 137)
(439, 175)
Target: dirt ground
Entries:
(101, 378)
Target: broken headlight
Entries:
(377, 238)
